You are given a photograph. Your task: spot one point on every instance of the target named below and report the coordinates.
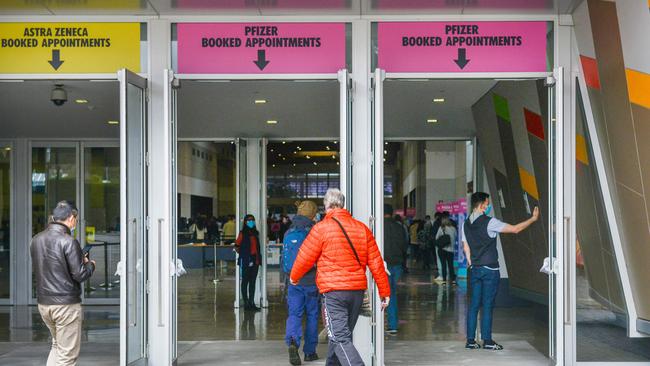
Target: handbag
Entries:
(366, 309)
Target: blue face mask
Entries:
(250, 224)
(488, 209)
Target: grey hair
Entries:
(63, 211)
(334, 198)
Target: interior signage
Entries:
(260, 48)
(430, 47)
(69, 48)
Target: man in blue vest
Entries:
(303, 298)
(479, 236)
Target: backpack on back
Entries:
(444, 241)
(293, 239)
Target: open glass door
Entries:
(241, 166)
(377, 226)
(133, 179)
(556, 225)
(345, 147)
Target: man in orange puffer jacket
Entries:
(341, 274)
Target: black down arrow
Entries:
(261, 59)
(56, 59)
(462, 60)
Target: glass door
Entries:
(345, 131)
(556, 252)
(241, 166)
(377, 176)
(133, 218)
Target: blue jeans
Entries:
(303, 300)
(484, 284)
(395, 273)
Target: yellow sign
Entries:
(69, 48)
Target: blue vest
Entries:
(483, 248)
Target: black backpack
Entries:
(443, 241)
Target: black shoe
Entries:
(472, 345)
(252, 307)
(294, 357)
(492, 345)
(311, 357)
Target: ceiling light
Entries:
(273, 165)
(272, 122)
(279, 155)
(294, 164)
(81, 101)
(7, 149)
(336, 142)
(432, 120)
(271, 150)
(113, 122)
(386, 143)
(308, 157)
(327, 147)
(295, 152)
(333, 156)
(284, 142)
(284, 158)
(438, 100)
(260, 101)
(385, 152)
(298, 147)
(337, 163)
(315, 163)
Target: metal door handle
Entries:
(160, 276)
(133, 321)
(567, 270)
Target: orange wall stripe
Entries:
(638, 87)
(590, 68)
(581, 150)
(528, 183)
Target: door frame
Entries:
(9, 143)
(556, 299)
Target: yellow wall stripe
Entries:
(528, 183)
(581, 150)
(638, 87)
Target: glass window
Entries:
(101, 213)
(54, 178)
(5, 221)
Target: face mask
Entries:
(250, 224)
(488, 209)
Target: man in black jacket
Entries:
(59, 268)
(395, 246)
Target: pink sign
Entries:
(261, 48)
(247, 4)
(455, 207)
(462, 46)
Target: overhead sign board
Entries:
(69, 48)
(431, 47)
(260, 48)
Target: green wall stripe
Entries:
(501, 107)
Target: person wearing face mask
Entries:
(479, 237)
(59, 269)
(250, 259)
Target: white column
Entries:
(254, 193)
(161, 343)
(361, 199)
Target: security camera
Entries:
(58, 96)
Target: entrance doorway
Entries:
(248, 147)
(447, 140)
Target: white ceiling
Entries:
(284, 7)
(213, 110)
(227, 109)
(409, 103)
(28, 112)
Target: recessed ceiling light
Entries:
(315, 163)
(298, 147)
(432, 120)
(274, 165)
(81, 101)
(385, 152)
(438, 100)
(294, 164)
(308, 157)
(284, 142)
(260, 101)
(271, 150)
(7, 149)
(337, 163)
(333, 156)
(327, 147)
(284, 158)
(272, 122)
(113, 122)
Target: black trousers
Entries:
(248, 278)
(341, 311)
(447, 263)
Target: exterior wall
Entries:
(615, 59)
(511, 126)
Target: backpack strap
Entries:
(349, 241)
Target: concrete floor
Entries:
(211, 332)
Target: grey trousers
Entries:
(341, 310)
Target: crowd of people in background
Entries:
(430, 244)
(208, 229)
